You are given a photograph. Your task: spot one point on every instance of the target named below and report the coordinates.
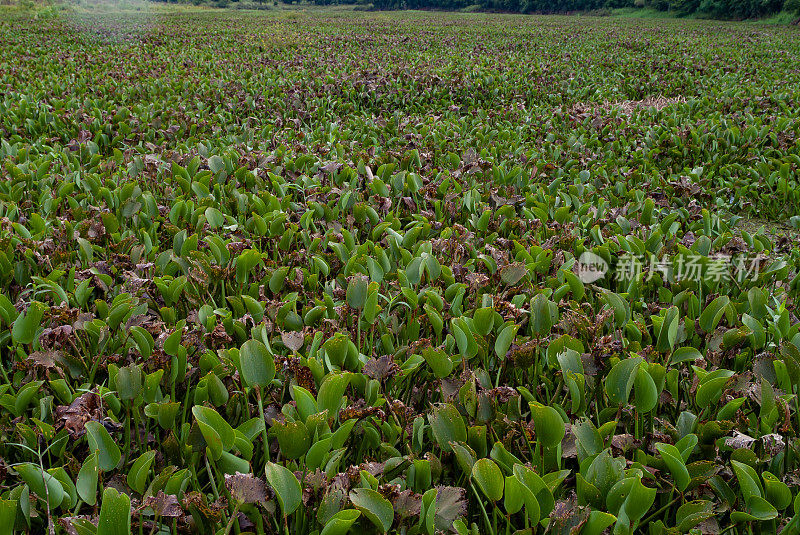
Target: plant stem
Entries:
(661, 510)
(233, 517)
(264, 422)
(210, 473)
(483, 509)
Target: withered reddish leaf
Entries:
(246, 488)
(165, 505)
(380, 368)
(407, 504)
(73, 418)
(293, 340)
(451, 503)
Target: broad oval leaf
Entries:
(86, 484)
(43, 484)
(286, 487)
(27, 323)
(211, 421)
(374, 506)
(621, 378)
(256, 364)
(341, 522)
(489, 478)
(549, 426)
(447, 425)
(115, 513)
(100, 441)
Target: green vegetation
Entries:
(328, 272)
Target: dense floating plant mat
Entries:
(333, 272)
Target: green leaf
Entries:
(371, 307)
(85, 249)
(356, 293)
(587, 438)
(447, 425)
(516, 495)
(214, 217)
(465, 457)
(129, 382)
(621, 378)
(604, 472)
(137, 475)
(216, 164)
(504, 340)
(541, 315)
(646, 392)
(435, 319)
(776, 491)
(543, 494)
(286, 487)
(427, 515)
(374, 506)
(549, 426)
(217, 432)
(685, 354)
(43, 484)
(710, 388)
(483, 320)
(336, 349)
(108, 453)
(597, 523)
(759, 509)
(489, 479)
(293, 439)
(758, 335)
(86, 483)
(317, 452)
(440, 363)
(115, 513)
(229, 463)
(639, 500)
(257, 366)
(713, 313)
(331, 392)
(341, 522)
(749, 484)
(143, 339)
(674, 461)
(668, 333)
(8, 515)
(622, 312)
(692, 513)
(70, 498)
(26, 325)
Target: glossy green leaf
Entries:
(256, 364)
(115, 513)
(286, 487)
(373, 506)
(489, 479)
(100, 441)
(447, 425)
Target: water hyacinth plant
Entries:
(326, 272)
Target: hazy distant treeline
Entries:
(733, 9)
(719, 9)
